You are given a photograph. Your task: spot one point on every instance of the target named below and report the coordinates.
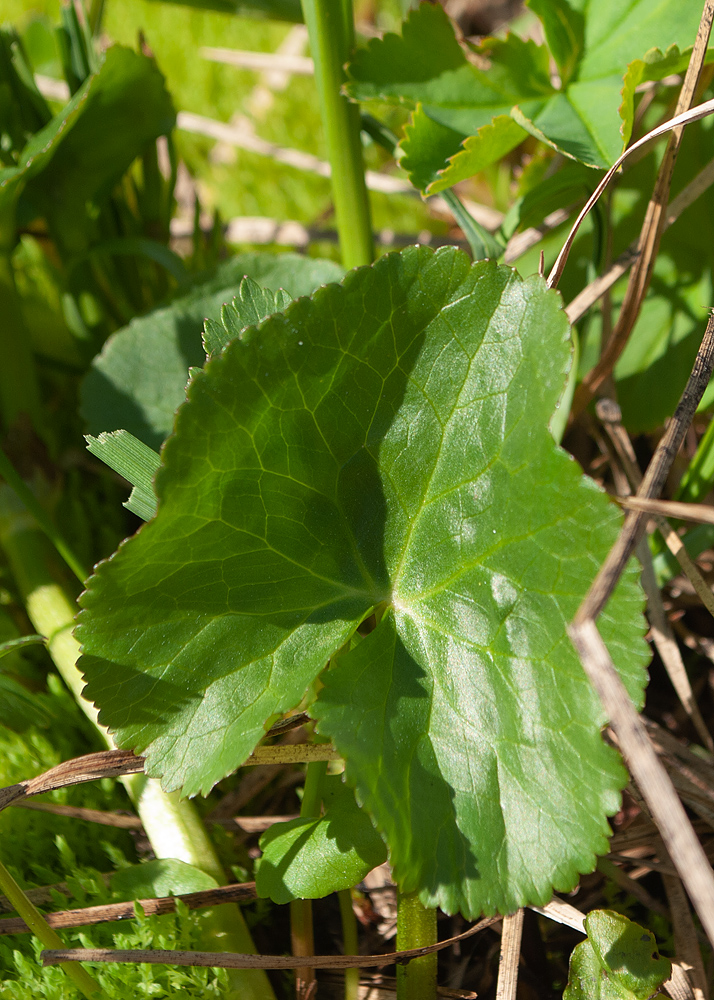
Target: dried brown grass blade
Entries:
(107, 764)
(89, 915)
(227, 960)
(597, 288)
(651, 231)
(510, 954)
(115, 763)
(697, 512)
(647, 771)
(649, 239)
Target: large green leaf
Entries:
(311, 857)
(618, 961)
(383, 445)
(139, 379)
(592, 43)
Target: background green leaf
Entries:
(308, 858)
(124, 106)
(593, 44)
(160, 877)
(139, 379)
(618, 961)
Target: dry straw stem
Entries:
(647, 771)
(221, 960)
(609, 413)
(645, 767)
(156, 906)
(693, 115)
(700, 513)
(115, 763)
(577, 308)
(511, 935)
(651, 231)
(654, 479)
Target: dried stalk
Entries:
(221, 960)
(652, 227)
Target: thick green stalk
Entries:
(301, 930)
(19, 392)
(416, 928)
(350, 942)
(330, 26)
(87, 986)
(172, 824)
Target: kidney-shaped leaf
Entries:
(311, 857)
(619, 961)
(383, 444)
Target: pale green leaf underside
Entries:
(618, 961)
(384, 441)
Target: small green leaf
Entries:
(309, 858)
(160, 877)
(490, 143)
(133, 460)
(425, 68)
(618, 961)
(251, 305)
(138, 381)
(564, 28)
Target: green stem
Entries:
(43, 932)
(172, 824)
(416, 928)
(483, 244)
(19, 392)
(350, 942)
(330, 27)
(301, 928)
